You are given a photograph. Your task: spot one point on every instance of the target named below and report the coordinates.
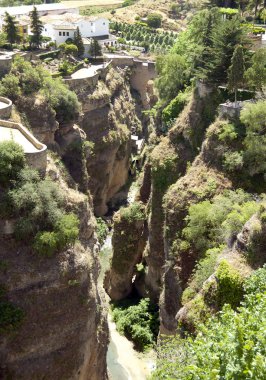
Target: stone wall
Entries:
(143, 72)
(5, 112)
(5, 64)
(82, 83)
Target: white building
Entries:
(60, 29)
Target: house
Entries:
(59, 29)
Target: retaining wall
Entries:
(36, 160)
(6, 111)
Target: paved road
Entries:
(86, 72)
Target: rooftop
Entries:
(25, 9)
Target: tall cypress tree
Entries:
(78, 42)
(95, 48)
(11, 29)
(236, 70)
(36, 28)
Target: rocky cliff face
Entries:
(109, 118)
(63, 334)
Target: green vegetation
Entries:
(102, 230)
(139, 322)
(236, 71)
(203, 270)
(254, 118)
(139, 34)
(77, 41)
(12, 161)
(176, 106)
(10, 315)
(229, 285)
(215, 222)
(36, 29)
(10, 27)
(36, 204)
(154, 20)
(133, 213)
(230, 346)
(25, 79)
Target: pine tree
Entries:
(78, 42)
(95, 48)
(236, 71)
(36, 28)
(11, 29)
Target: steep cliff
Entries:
(108, 121)
(63, 333)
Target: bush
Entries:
(133, 213)
(12, 161)
(46, 243)
(102, 230)
(254, 118)
(139, 322)
(62, 100)
(228, 346)
(9, 87)
(175, 107)
(230, 285)
(154, 20)
(218, 221)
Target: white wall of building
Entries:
(93, 28)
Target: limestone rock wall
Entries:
(64, 333)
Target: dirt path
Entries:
(123, 361)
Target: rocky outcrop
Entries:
(108, 121)
(63, 334)
(129, 223)
(40, 117)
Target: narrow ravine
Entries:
(123, 362)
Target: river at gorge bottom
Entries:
(123, 362)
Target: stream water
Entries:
(123, 362)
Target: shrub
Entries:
(213, 222)
(12, 161)
(175, 107)
(133, 213)
(203, 270)
(233, 161)
(9, 86)
(230, 285)
(256, 283)
(228, 346)
(46, 243)
(154, 20)
(139, 322)
(62, 100)
(65, 233)
(254, 118)
(102, 230)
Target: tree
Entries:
(154, 20)
(12, 161)
(253, 116)
(11, 29)
(256, 74)
(172, 75)
(236, 71)
(95, 48)
(36, 28)
(78, 42)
